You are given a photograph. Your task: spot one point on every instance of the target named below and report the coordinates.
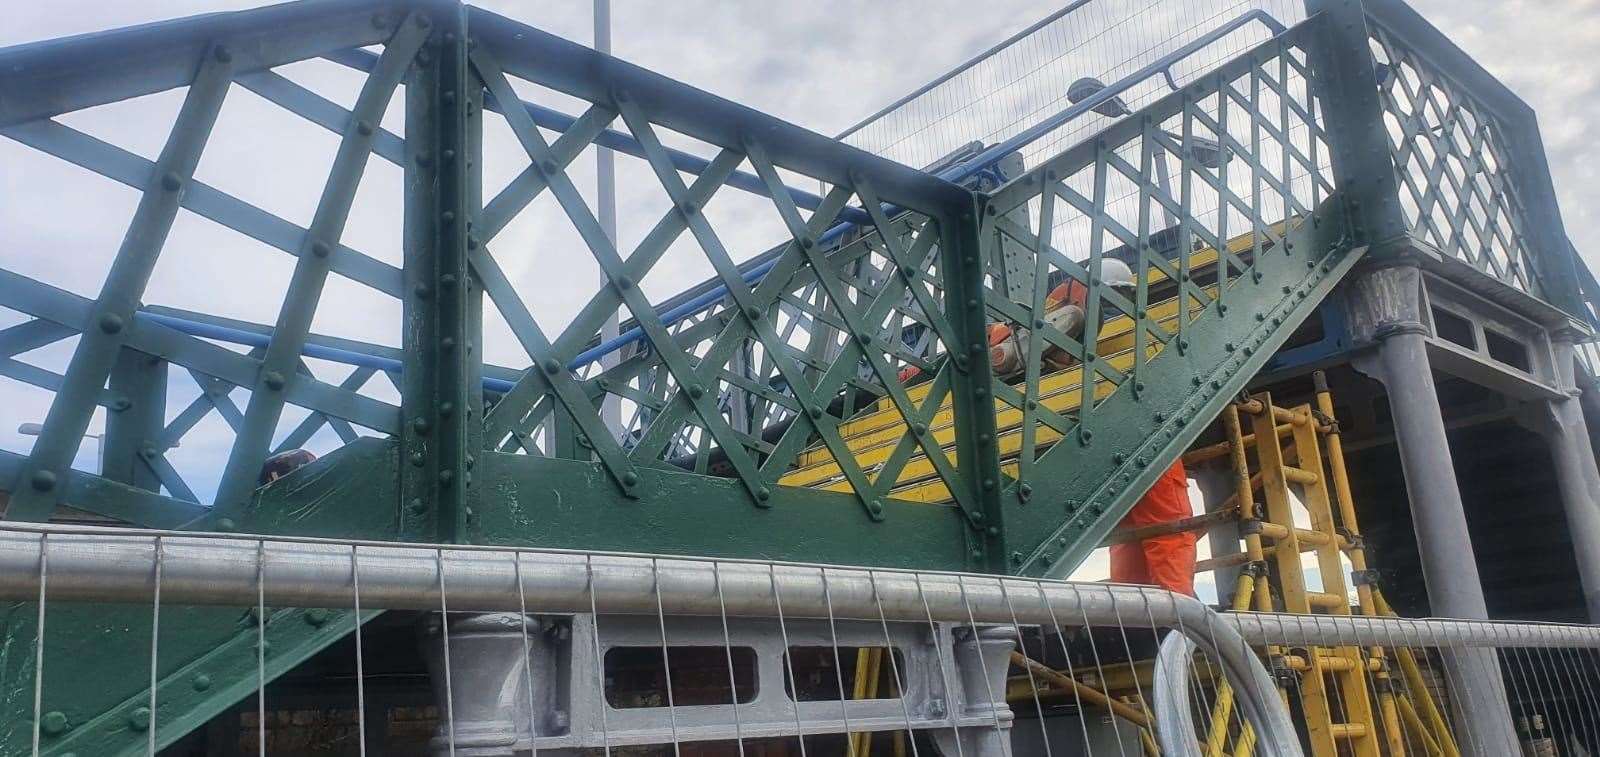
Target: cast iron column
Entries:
(1568, 436)
(1386, 306)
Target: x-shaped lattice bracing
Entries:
(679, 400)
(1461, 186)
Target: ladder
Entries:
(1347, 695)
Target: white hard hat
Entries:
(1115, 273)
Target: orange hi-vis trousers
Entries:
(1165, 561)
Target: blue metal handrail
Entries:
(693, 164)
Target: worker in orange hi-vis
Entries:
(1165, 561)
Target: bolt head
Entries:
(54, 723)
(139, 718)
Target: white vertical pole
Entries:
(606, 200)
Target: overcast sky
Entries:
(821, 64)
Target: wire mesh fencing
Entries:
(573, 653)
(1026, 78)
(433, 649)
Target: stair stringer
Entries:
(1083, 485)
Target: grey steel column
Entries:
(1386, 308)
(1568, 436)
(605, 185)
(1216, 485)
(1449, 566)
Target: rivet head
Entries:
(316, 616)
(446, 409)
(274, 380)
(226, 524)
(418, 459)
(171, 181)
(984, 439)
(420, 425)
(808, 242)
(111, 323)
(763, 494)
(448, 343)
(875, 507)
(753, 313)
(919, 429)
(43, 480)
(624, 283)
(54, 723)
(696, 391)
(449, 217)
(139, 718)
(446, 476)
(448, 155)
(980, 392)
(630, 479)
(548, 167)
(201, 682)
(448, 281)
(222, 54)
(688, 208)
(1038, 323)
(988, 484)
(121, 403)
(320, 249)
(417, 506)
(814, 412)
(551, 366)
(422, 291)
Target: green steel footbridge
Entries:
(1330, 187)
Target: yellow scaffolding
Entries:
(1285, 460)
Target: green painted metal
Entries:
(277, 370)
(775, 370)
(99, 346)
(97, 658)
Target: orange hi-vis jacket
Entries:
(1165, 561)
